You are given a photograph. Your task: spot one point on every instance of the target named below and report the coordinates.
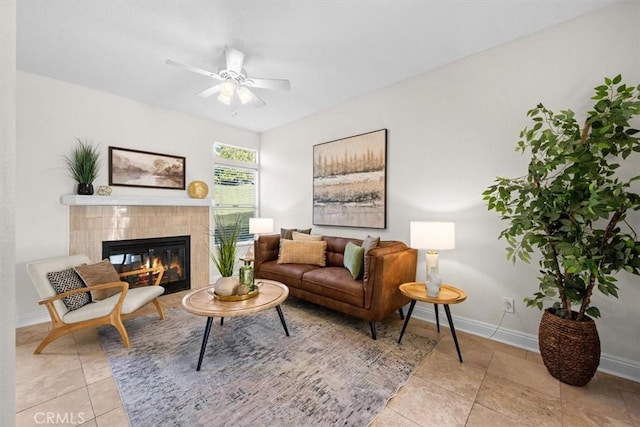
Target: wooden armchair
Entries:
(108, 311)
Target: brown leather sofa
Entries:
(372, 297)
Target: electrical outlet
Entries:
(508, 305)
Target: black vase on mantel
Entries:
(85, 189)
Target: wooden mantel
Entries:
(77, 200)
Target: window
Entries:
(235, 185)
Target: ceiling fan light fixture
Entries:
(224, 98)
(228, 87)
(244, 95)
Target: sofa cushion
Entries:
(289, 274)
(353, 259)
(285, 233)
(296, 235)
(335, 283)
(302, 252)
(67, 280)
(335, 249)
(97, 274)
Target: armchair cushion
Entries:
(133, 300)
(97, 274)
(68, 280)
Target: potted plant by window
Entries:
(226, 235)
(83, 163)
(572, 206)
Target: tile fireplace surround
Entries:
(90, 225)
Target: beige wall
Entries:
(51, 114)
(450, 133)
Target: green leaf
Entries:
(593, 312)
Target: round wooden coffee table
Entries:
(202, 303)
(447, 295)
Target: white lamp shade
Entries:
(432, 235)
(260, 225)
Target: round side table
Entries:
(448, 295)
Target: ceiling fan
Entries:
(234, 87)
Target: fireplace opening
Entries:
(171, 253)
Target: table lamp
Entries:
(258, 226)
(432, 236)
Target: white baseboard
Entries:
(32, 319)
(617, 366)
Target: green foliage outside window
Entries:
(235, 190)
(234, 153)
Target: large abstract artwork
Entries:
(349, 181)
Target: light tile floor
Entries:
(497, 385)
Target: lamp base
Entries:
(432, 261)
(433, 284)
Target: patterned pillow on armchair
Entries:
(67, 280)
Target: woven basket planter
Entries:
(570, 350)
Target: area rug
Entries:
(328, 372)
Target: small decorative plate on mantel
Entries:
(198, 189)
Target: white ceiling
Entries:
(331, 51)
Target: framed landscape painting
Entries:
(350, 180)
(134, 168)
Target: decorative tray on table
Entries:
(234, 297)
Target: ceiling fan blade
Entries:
(254, 100)
(194, 69)
(234, 58)
(278, 84)
(210, 92)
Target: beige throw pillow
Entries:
(302, 252)
(98, 274)
(296, 235)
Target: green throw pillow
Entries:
(353, 259)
